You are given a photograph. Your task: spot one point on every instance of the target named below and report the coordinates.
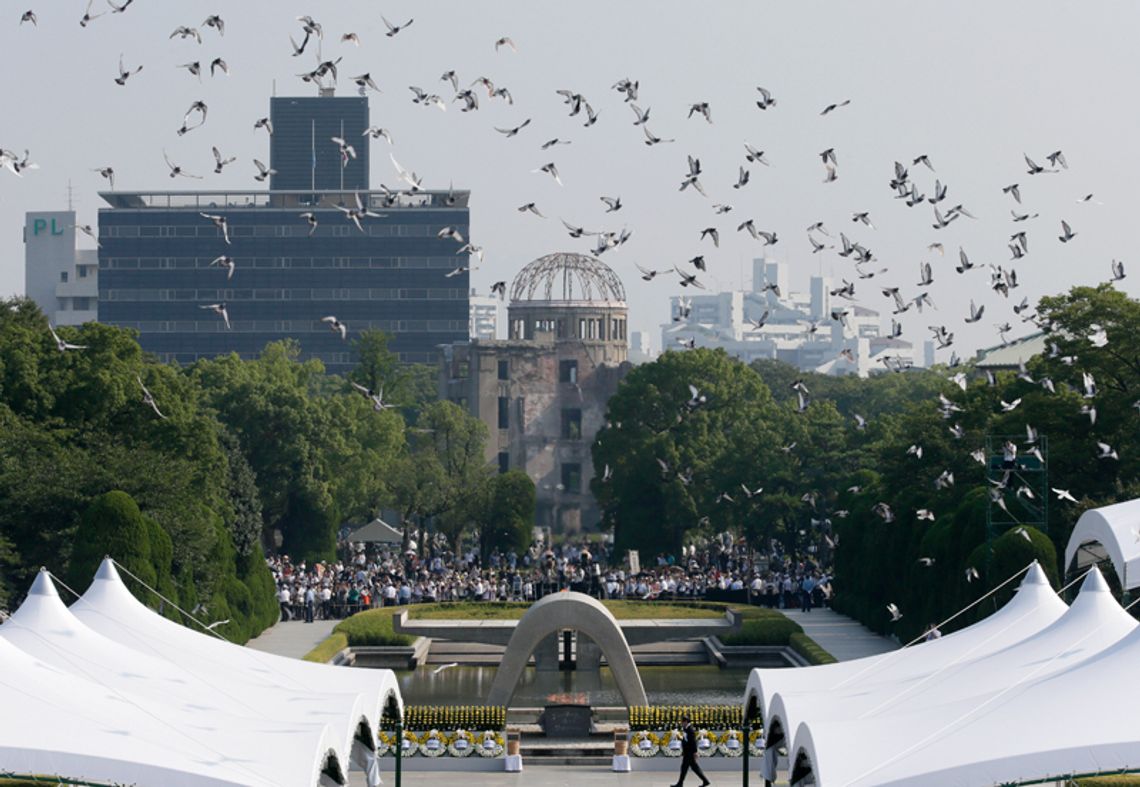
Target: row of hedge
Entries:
(810, 649)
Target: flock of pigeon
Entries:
(909, 183)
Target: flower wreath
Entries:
(433, 744)
(462, 744)
(706, 743)
(756, 743)
(671, 742)
(644, 744)
(384, 743)
(731, 744)
(492, 744)
(411, 744)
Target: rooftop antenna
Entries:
(70, 196)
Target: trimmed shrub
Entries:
(328, 647)
(765, 631)
(808, 648)
(373, 627)
(113, 525)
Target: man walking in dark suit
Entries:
(689, 753)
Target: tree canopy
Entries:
(881, 476)
(240, 455)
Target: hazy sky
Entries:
(971, 84)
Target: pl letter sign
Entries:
(42, 226)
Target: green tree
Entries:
(112, 526)
(505, 513)
(74, 427)
(671, 459)
(442, 469)
(408, 386)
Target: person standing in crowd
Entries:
(310, 604)
(689, 754)
(285, 598)
(806, 588)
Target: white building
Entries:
(640, 350)
(796, 327)
(61, 279)
(487, 313)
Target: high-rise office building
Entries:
(163, 263)
(61, 279)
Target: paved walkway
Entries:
(293, 639)
(839, 635)
(555, 776)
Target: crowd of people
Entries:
(369, 576)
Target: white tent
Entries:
(1109, 532)
(109, 608)
(54, 723)
(1094, 623)
(1033, 607)
(376, 532)
(44, 628)
(1077, 721)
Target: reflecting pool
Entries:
(690, 685)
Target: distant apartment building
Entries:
(542, 391)
(488, 317)
(771, 321)
(302, 251)
(61, 279)
(640, 350)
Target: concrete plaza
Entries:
(557, 776)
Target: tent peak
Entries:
(1035, 575)
(1094, 582)
(43, 586)
(107, 570)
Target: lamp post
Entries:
(399, 749)
(747, 736)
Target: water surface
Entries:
(690, 685)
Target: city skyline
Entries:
(1017, 86)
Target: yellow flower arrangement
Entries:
(756, 743)
(644, 743)
(411, 744)
(492, 744)
(462, 744)
(671, 742)
(433, 743)
(384, 742)
(706, 743)
(731, 744)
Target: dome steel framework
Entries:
(567, 276)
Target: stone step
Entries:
(593, 762)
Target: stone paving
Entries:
(839, 635)
(293, 639)
(557, 776)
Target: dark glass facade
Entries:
(155, 272)
(302, 150)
